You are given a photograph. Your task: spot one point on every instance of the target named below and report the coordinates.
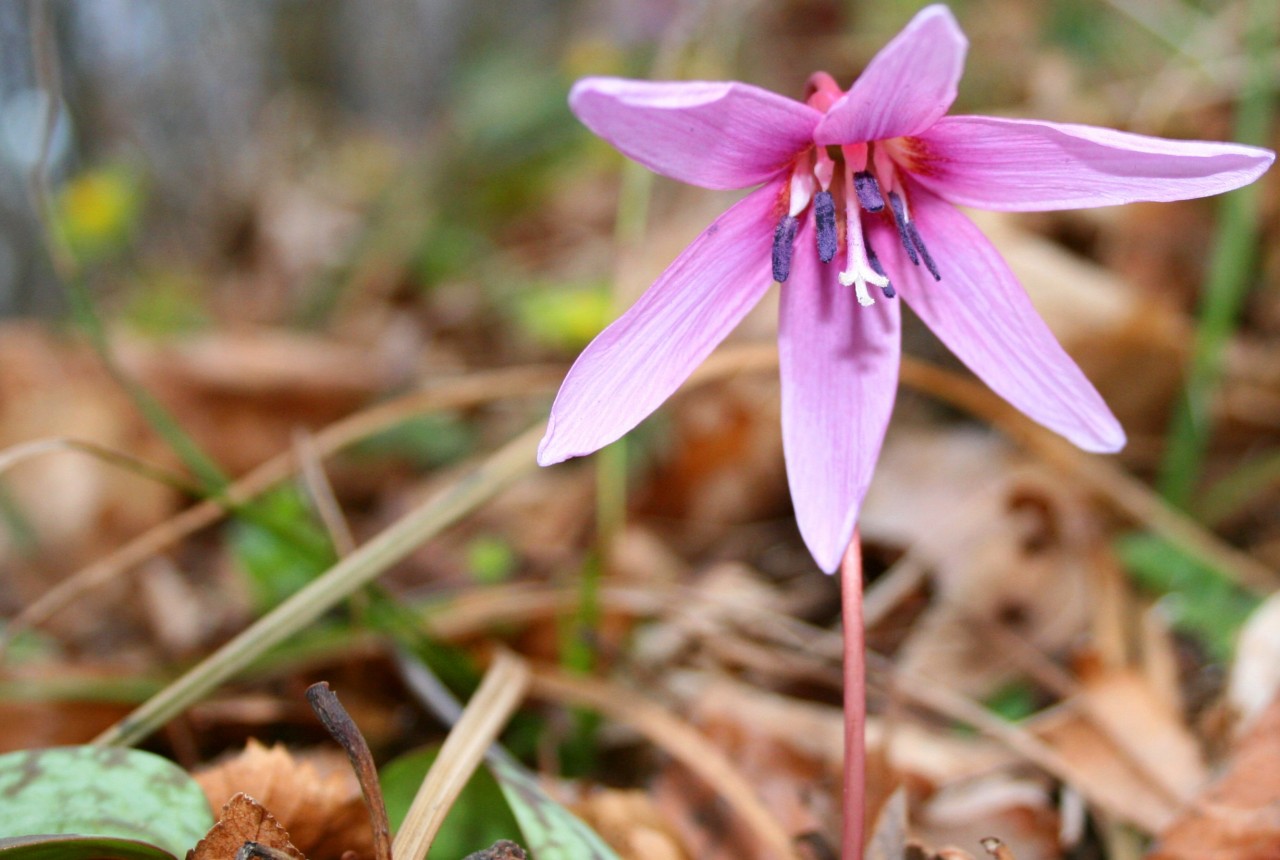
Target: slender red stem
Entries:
(855, 702)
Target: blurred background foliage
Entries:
(201, 141)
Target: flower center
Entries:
(871, 176)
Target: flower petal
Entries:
(712, 134)
(839, 365)
(984, 316)
(1029, 165)
(639, 360)
(906, 87)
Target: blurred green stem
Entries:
(1230, 269)
(69, 271)
(611, 463)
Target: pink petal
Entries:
(839, 366)
(983, 315)
(906, 87)
(716, 135)
(1028, 165)
(639, 360)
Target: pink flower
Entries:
(857, 206)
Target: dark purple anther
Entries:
(924, 252)
(824, 215)
(874, 262)
(868, 191)
(904, 232)
(784, 238)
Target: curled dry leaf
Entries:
(1004, 541)
(316, 799)
(242, 820)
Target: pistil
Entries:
(859, 271)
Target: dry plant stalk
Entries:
(678, 739)
(501, 692)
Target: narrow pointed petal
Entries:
(906, 87)
(984, 316)
(715, 135)
(839, 365)
(638, 361)
(1030, 165)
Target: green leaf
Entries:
(102, 791)
(478, 818)
(280, 546)
(551, 832)
(1200, 601)
(490, 559)
(428, 441)
(79, 848)
(1014, 701)
(564, 317)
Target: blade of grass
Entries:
(1230, 272)
(500, 693)
(390, 546)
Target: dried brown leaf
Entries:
(1004, 542)
(1101, 771)
(1236, 817)
(242, 820)
(630, 822)
(1152, 737)
(316, 799)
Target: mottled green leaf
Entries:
(551, 832)
(102, 791)
(477, 819)
(79, 848)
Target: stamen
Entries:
(824, 216)
(874, 262)
(904, 232)
(784, 237)
(924, 252)
(869, 197)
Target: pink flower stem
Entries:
(855, 702)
